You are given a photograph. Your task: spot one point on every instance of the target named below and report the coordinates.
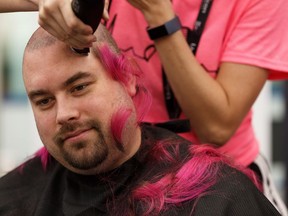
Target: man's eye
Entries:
(79, 88)
(43, 102)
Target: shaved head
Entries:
(42, 39)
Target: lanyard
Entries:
(193, 38)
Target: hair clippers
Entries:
(90, 12)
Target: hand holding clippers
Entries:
(89, 12)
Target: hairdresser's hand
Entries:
(156, 12)
(58, 19)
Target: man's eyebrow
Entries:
(75, 77)
(69, 81)
(37, 93)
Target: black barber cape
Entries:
(59, 192)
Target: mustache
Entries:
(70, 127)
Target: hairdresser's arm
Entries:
(18, 5)
(214, 107)
(58, 19)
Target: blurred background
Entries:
(18, 134)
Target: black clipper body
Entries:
(90, 12)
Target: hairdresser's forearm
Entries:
(215, 107)
(18, 5)
(202, 99)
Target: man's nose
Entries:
(66, 111)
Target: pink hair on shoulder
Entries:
(190, 182)
(44, 156)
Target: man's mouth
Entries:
(75, 135)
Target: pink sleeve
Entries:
(260, 37)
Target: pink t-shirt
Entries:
(243, 31)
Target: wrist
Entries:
(165, 29)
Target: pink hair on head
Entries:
(118, 65)
(142, 101)
(123, 69)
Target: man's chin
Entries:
(86, 164)
(84, 159)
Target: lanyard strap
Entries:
(193, 38)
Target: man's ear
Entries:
(131, 85)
